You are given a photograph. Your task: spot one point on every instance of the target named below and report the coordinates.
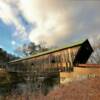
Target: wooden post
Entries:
(70, 60)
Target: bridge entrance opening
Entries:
(83, 53)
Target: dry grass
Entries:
(88, 89)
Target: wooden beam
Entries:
(88, 65)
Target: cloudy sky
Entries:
(57, 22)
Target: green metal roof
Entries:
(51, 51)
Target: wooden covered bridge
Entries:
(52, 67)
(53, 62)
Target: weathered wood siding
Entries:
(61, 60)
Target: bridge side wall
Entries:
(61, 60)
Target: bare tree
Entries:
(31, 48)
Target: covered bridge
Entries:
(47, 66)
(64, 59)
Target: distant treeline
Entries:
(5, 57)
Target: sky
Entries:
(57, 22)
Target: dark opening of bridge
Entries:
(83, 54)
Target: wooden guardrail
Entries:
(88, 65)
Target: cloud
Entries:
(7, 14)
(13, 42)
(56, 21)
(51, 24)
(61, 21)
(11, 15)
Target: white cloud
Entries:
(57, 20)
(9, 15)
(6, 14)
(13, 42)
(51, 24)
